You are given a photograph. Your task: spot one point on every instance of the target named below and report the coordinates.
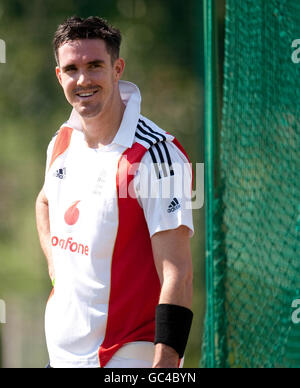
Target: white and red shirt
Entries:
(104, 206)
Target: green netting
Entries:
(257, 210)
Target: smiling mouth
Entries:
(86, 94)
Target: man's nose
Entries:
(83, 79)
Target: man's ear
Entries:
(119, 67)
(58, 74)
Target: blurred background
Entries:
(163, 49)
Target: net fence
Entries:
(257, 207)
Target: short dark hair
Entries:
(93, 27)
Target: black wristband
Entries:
(172, 326)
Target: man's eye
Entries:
(70, 69)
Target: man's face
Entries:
(88, 77)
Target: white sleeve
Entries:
(163, 186)
(49, 154)
(48, 160)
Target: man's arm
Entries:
(172, 255)
(43, 227)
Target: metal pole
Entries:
(211, 115)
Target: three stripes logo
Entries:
(175, 205)
(158, 149)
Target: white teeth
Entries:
(86, 95)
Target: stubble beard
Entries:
(89, 110)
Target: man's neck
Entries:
(102, 129)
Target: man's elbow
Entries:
(186, 271)
(41, 207)
(184, 282)
(41, 199)
(188, 283)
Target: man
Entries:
(117, 249)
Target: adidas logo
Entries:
(175, 205)
(60, 173)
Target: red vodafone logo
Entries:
(69, 244)
(72, 214)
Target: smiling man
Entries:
(119, 255)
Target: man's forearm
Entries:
(173, 260)
(43, 227)
(177, 287)
(174, 292)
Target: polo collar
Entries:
(131, 97)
